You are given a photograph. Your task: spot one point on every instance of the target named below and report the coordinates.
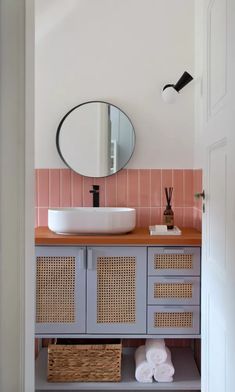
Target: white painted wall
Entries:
(124, 52)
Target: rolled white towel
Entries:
(143, 370)
(155, 351)
(165, 379)
(165, 371)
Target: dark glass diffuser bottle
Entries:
(168, 215)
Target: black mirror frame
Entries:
(59, 129)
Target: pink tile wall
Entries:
(142, 189)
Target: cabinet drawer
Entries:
(173, 261)
(173, 320)
(173, 290)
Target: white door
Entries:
(218, 144)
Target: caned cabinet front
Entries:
(60, 290)
(116, 290)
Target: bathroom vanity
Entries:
(121, 286)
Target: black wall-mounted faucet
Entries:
(96, 195)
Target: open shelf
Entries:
(186, 375)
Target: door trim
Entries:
(17, 184)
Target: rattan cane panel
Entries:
(55, 289)
(173, 261)
(173, 290)
(173, 320)
(116, 289)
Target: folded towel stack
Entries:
(154, 360)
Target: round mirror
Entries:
(95, 139)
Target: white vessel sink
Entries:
(91, 220)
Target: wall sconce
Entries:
(170, 91)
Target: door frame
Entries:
(17, 182)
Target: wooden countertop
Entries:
(43, 236)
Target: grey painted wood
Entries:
(186, 376)
(194, 281)
(137, 327)
(195, 329)
(80, 290)
(117, 335)
(195, 251)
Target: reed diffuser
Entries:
(168, 215)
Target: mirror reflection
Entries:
(95, 139)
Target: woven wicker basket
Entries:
(84, 362)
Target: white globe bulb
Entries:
(169, 95)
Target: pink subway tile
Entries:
(144, 188)
(161, 216)
(137, 216)
(111, 191)
(197, 221)
(36, 187)
(155, 186)
(43, 187)
(65, 187)
(178, 216)
(155, 216)
(188, 188)
(194, 217)
(122, 188)
(36, 217)
(43, 216)
(178, 188)
(87, 196)
(102, 185)
(132, 187)
(76, 189)
(188, 217)
(197, 185)
(166, 182)
(143, 217)
(54, 187)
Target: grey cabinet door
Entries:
(60, 290)
(116, 290)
